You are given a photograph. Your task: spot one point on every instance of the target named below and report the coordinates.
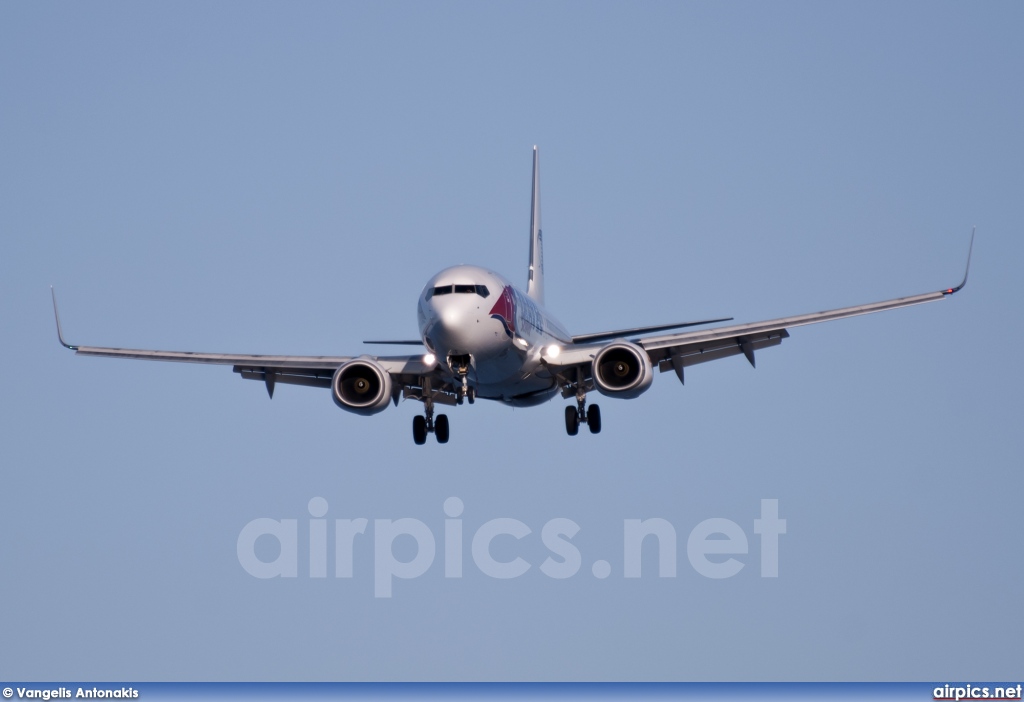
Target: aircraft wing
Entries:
(677, 351)
(315, 371)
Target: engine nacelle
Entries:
(361, 386)
(622, 369)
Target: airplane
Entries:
(485, 338)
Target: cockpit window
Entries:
(480, 290)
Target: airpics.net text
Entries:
(711, 547)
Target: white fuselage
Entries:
(475, 318)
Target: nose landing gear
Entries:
(466, 392)
(460, 367)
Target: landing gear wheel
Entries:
(441, 428)
(594, 419)
(572, 421)
(419, 430)
(471, 395)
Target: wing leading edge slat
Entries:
(224, 359)
(653, 343)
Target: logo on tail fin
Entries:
(504, 311)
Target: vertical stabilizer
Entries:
(535, 284)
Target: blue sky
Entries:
(272, 178)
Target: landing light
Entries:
(429, 359)
(554, 350)
(522, 342)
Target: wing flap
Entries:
(675, 357)
(313, 379)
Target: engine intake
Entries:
(361, 386)
(622, 369)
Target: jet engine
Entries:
(622, 369)
(361, 386)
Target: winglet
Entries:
(970, 249)
(56, 315)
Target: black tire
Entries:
(594, 419)
(419, 430)
(441, 428)
(572, 421)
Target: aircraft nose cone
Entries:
(454, 331)
(452, 317)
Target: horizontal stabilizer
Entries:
(409, 342)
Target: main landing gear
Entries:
(423, 425)
(581, 414)
(461, 389)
